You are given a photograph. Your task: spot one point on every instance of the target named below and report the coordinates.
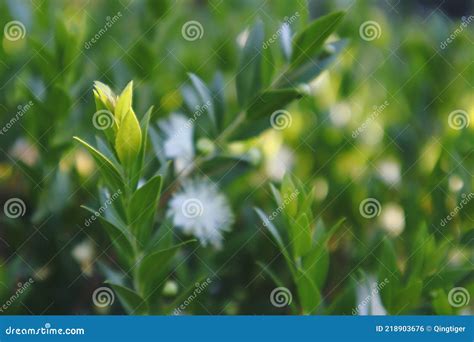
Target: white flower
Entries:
(392, 218)
(368, 298)
(389, 171)
(199, 209)
(280, 163)
(84, 255)
(178, 142)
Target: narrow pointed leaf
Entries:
(124, 103)
(249, 74)
(143, 206)
(129, 140)
(206, 100)
(310, 41)
(131, 301)
(154, 270)
(110, 173)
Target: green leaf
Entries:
(224, 167)
(309, 295)
(109, 172)
(271, 228)
(189, 289)
(333, 230)
(131, 301)
(272, 275)
(276, 280)
(249, 74)
(140, 162)
(271, 100)
(154, 270)
(124, 103)
(104, 95)
(128, 141)
(409, 297)
(276, 235)
(206, 101)
(105, 149)
(309, 70)
(440, 303)
(217, 93)
(276, 195)
(301, 236)
(309, 42)
(316, 264)
(288, 190)
(388, 268)
(120, 237)
(142, 209)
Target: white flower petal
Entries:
(178, 143)
(199, 209)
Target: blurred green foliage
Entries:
(375, 126)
